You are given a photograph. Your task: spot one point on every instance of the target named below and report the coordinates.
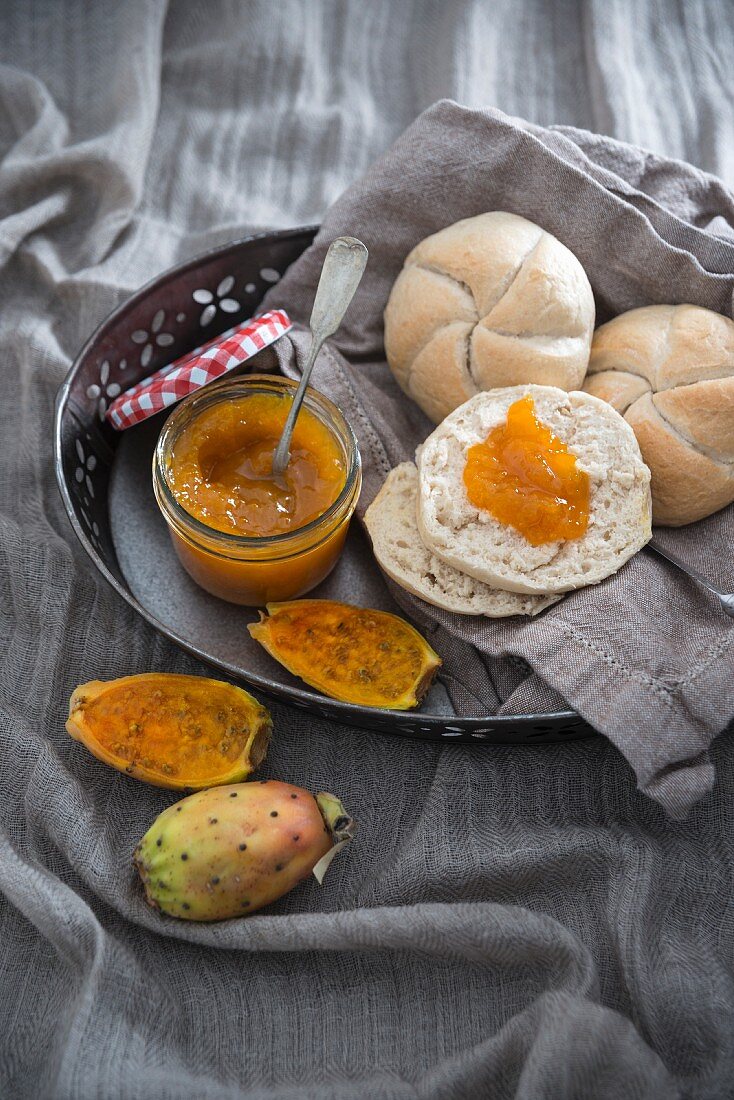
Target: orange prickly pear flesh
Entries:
(181, 732)
(350, 653)
(229, 851)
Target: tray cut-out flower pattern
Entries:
(150, 339)
(87, 464)
(221, 298)
(104, 390)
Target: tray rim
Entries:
(331, 709)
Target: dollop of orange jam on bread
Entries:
(221, 468)
(527, 478)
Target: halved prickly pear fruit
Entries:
(231, 850)
(172, 731)
(350, 653)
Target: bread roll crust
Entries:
(524, 295)
(683, 477)
(440, 371)
(618, 388)
(703, 414)
(421, 305)
(681, 405)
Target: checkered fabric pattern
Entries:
(194, 370)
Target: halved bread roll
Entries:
(392, 525)
(472, 540)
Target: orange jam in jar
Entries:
(240, 533)
(527, 478)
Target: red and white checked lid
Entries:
(192, 371)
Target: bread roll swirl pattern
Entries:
(669, 370)
(490, 301)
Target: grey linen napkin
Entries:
(646, 656)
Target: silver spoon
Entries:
(726, 600)
(343, 267)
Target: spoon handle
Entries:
(726, 600)
(343, 268)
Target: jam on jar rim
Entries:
(188, 526)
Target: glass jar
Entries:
(244, 569)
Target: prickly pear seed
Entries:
(297, 837)
(278, 866)
(233, 794)
(294, 796)
(184, 855)
(215, 880)
(159, 841)
(242, 847)
(273, 813)
(212, 820)
(185, 905)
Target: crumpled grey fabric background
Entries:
(646, 656)
(510, 922)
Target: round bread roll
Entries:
(670, 371)
(472, 540)
(490, 301)
(393, 528)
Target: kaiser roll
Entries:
(489, 301)
(670, 371)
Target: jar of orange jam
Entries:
(239, 533)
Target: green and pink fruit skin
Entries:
(228, 851)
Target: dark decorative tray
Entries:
(105, 482)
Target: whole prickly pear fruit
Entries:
(230, 850)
